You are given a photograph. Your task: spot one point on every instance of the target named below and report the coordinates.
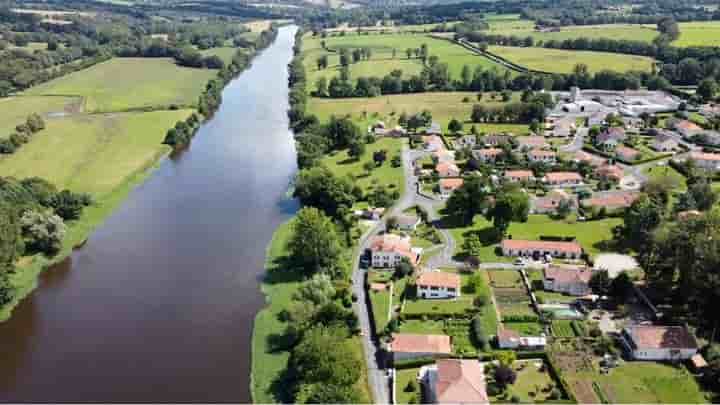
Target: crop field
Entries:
(563, 61)
(698, 33)
(513, 301)
(130, 83)
(93, 153)
(526, 28)
(382, 46)
(15, 110)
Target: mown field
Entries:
(130, 83)
(15, 110)
(382, 62)
(525, 28)
(93, 153)
(563, 61)
(698, 33)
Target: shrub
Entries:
(411, 386)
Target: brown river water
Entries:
(158, 306)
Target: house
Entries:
(592, 160)
(455, 381)
(572, 281)
(659, 343)
(542, 156)
(518, 175)
(626, 153)
(447, 169)
(707, 161)
(596, 119)
(686, 128)
(612, 201)
(438, 284)
(531, 142)
(443, 155)
(510, 339)
(407, 222)
(563, 128)
(447, 186)
(388, 251)
(433, 143)
(434, 129)
(609, 172)
(664, 143)
(409, 346)
(373, 214)
(610, 138)
(487, 155)
(466, 141)
(540, 248)
(563, 179)
(550, 203)
(495, 140)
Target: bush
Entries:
(520, 318)
(412, 386)
(478, 334)
(7, 147)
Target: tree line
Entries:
(23, 132)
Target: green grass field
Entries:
(130, 83)
(563, 61)
(646, 382)
(386, 175)
(93, 153)
(525, 28)
(529, 383)
(590, 234)
(380, 301)
(403, 377)
(15, 110)
(382, 46)
(698, 33)
(225, 53)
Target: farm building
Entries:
(659, 343)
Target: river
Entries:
(158, 306)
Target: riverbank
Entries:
(106, 155)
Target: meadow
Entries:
(525, 28)
(645, 382)
(563, 61)
(382, 46)
(122, 84)
(93, 153)
(15, 110)
(698, 33)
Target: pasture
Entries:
(15, 110)
(122, 84)
(698, 33)
(93, 153)
(645, 382)
(526, 28)
(563, 61)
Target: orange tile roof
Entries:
(451, 184)
(412, 343)
(556, 177)
(446, 167)
(626, 152)
(393, 243)
(615, 172)
(688, 126)
(517, 244)
(565, 275)
(590, 158)
(461, 382)
(438, 279)
(662, 337)
(704, 156)
(618, 200)
(489, 151)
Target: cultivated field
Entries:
(14, 110)
(699, 33)
(563, 61)
(93, 153)
(130, 83)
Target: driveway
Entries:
(615, 263)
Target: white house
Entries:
(531, 142)
(542, 156)
(487, 155)
(659, 343)
(409, 346)
(518, 175)
(388, 250)
(438, 284)
(550, 203)
(540, 248)
(664, 143)
(466, 141)
(510, 339)
(572, 281)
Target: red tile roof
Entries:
(704, 156)
(617, 200)
(626, 153)
(523, 174)
(536, 141)
(438, 279)
(451, 184)
(393, 243)
(608, 171)
(561, 177)
(582, 156)
(517, 244)
(687, 126)
(447, 167)
(489, 152)
(411, 343)
(566, 276)
(662, 337)
(461, 382)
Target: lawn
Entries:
(380, 301)
(666, 171)
(646, 382)
(531, 384)
(563, 61)
(402, 378)
(93, 153)
(225, 53)
(444, 106)
(121, 84)
(590, 234)
(505, 278)
(698, 33)
(15, 110)
(525, 328)
(386, 175)
(382, 46)
(549, 297)
(525, 28)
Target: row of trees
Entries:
(23, 132)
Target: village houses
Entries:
(707, 161)
(563, 179)
(438, 284)
(388, 251)
(626, 153)
(542, 156)
(447, 169)
(447, 186)
(526, 143)
(518, 175)
(550, 203)
(488, 155)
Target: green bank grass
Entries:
(698, 33)
(386, 175)
(15, 110)
(93, 153)
(563, 61)
(130, 83)
(592, 235)
(525, 28)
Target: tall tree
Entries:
(314, 246)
